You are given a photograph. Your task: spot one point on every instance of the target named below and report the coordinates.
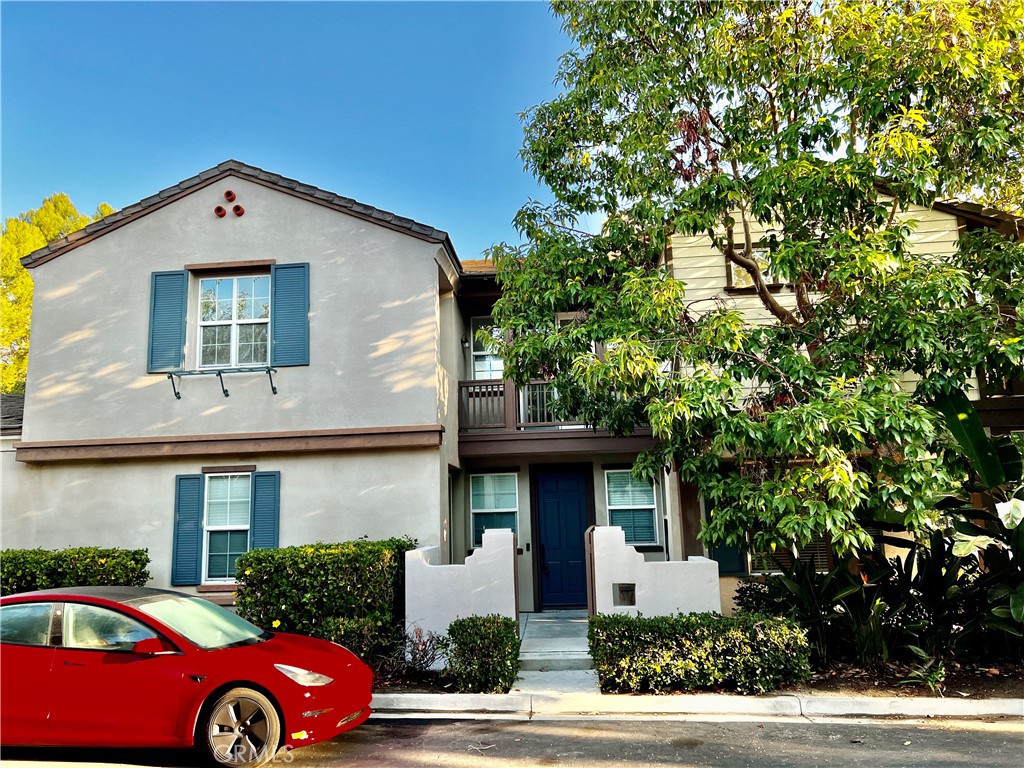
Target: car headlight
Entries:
(303, 676)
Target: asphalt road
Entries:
(408, 743)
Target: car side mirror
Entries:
(153, 646)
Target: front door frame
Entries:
(587, 468)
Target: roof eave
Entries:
(210, 176)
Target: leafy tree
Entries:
(766, 127)
(55, 218)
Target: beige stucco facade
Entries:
(383, 369)
(374, 339)
(130, 504)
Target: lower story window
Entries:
(631, 506)
(494, 503)
(219, 515)
(817, 551)
(228, 503)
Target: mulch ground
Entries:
(1003, 681)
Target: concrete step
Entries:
(554, 661)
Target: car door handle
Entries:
(73, 664)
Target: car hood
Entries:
(309, 653)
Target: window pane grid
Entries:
(631, 506)
(227, 523)
(234, 316)
(494, 503)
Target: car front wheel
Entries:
(242, 729)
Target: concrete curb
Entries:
(710, 704)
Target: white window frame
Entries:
(234, 323)
(207, 528)
(653, 507)
(760, 256)
(474, 325)
(474, 512)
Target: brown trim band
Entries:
(474, 445)
(230, 468)
(230, 265)
(312, 441)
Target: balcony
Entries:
(494, 404)
(496, 418)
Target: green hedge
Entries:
(483, 653)
(352, 592)
(25, 570)
(661, 654)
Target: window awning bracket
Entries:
(220, 378)
(174, 387)
(219, 373)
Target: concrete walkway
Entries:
(557, 678)
(554, 656)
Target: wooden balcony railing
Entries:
(494, 404)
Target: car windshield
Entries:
(206, 625)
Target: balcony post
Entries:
(511, 406)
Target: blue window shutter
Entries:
(264, 513)
(167, 302)
(289, 314)
(186, 567)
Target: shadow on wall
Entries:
(407, 359)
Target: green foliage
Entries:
(869, 610)
(30, 231)
(351, 593)
(763, 128)
(930, 672)
(750, 653)
(25, 570)
(994, 541)
(483, 653)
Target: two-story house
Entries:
(242, 360)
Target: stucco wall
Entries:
(373, 325)
(131, 504)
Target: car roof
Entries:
(113, 594)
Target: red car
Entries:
(136, 667)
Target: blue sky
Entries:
(411, 107)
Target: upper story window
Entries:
(739, 279)
(485, 364)
(234, 321)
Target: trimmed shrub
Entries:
(351, 593)
(25, 570)
(483, 653)
(750, 653)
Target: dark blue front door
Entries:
(562, 512)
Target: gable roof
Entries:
(252, 173)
